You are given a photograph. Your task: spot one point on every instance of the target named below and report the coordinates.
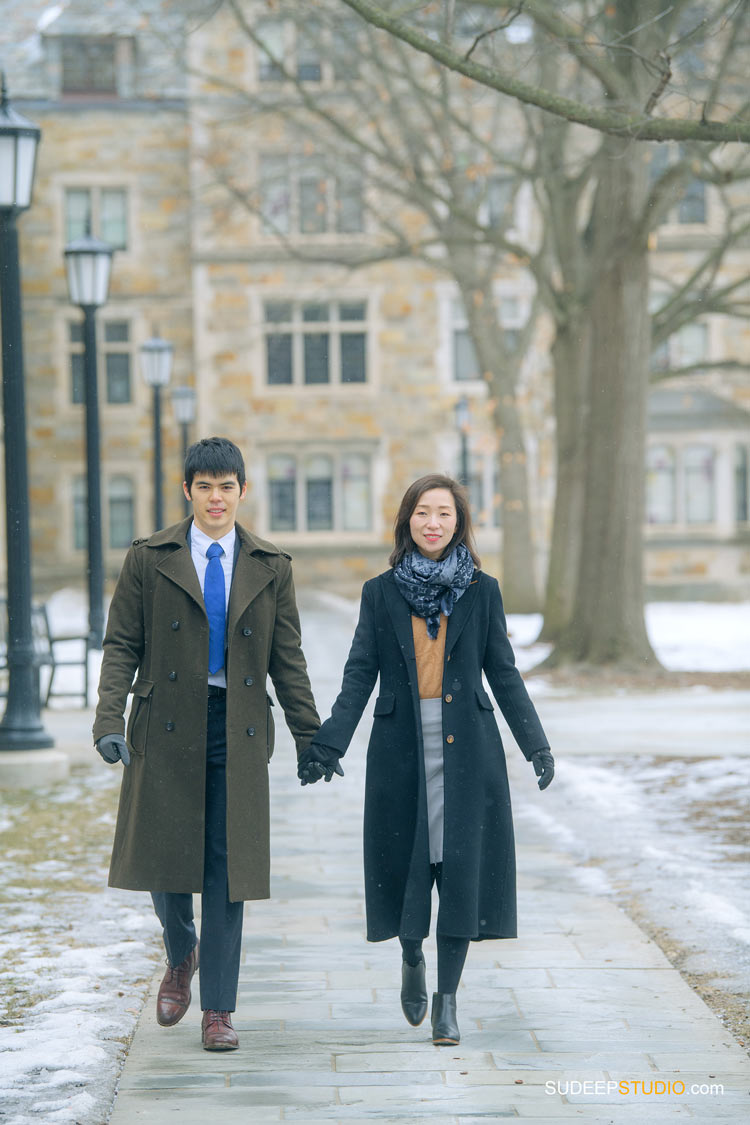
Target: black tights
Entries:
(451, 951)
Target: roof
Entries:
(694, 410)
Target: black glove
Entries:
(113, 748)
(317, 762)
(544, 767)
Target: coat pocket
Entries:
(140, 712)
(270, 727)
(484, 700)
(384, 704)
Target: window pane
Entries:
(271, 35)
(465, 365)
(88, 65)
(116, 331)
(121, 518)
(77, 213)
(355, 492)
(75, 331)
(692, 342)
(345, 49)
(499, 202)
(277, 312)
(742, 483)
(316, 312)
(279, 358)
(282, 492)
(319, 493)
(660, 485)
(692, 207)
(353, 362)
(312, 203)
(352, 310)
(118, 377)
(699, 484)
(77, 386)
(275, 197)
(80, 525)
(308, 53)
(350, 217)
(113, 217)
(316, 357)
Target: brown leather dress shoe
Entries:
(217, 1033)
(174, 991)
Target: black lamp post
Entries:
(21, 728)
(463, 419)
(184, 404)
(88, 262)
(156, 365)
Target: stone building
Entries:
(340, 385)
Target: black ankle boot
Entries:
(445, 1031)
(413, 992)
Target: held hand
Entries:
(317, 762)
(544, 767)
(113, 748)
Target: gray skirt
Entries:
(432, 738)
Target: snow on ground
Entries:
(75, 957)
(74, 960)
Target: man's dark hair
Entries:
(216, 457)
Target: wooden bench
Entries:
(48, 654)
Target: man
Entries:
(202, 613)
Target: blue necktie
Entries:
(216, 607)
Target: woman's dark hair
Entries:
(403, 542)
(216, 457)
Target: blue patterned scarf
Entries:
(433, 586)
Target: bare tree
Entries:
(613, 68)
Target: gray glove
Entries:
(544, 767)
(113, 748)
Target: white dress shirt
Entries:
(199, 544)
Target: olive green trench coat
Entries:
(156, 646)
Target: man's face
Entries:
(215, 501)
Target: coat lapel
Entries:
(461, 613)
(250, 577)
(400, 614)
(178, 566)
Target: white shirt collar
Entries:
(202, 541)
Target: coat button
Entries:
(175, 624)
(449, 699)
(169, 726)
(249, 681)
(450, 738)
(251, 731)
(172, 675)
(247, 632)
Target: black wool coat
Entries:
(478, 893)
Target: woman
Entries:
(437, 804)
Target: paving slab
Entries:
(581, 996)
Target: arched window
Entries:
(355, 492)
(699, 484)
(80, 525)
(282, 492)
(121, 498)
(319, 492)
(660, 484)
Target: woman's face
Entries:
(433, 522)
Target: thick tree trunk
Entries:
(608, 618)
(571, 359)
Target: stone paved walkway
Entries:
(581, 996)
